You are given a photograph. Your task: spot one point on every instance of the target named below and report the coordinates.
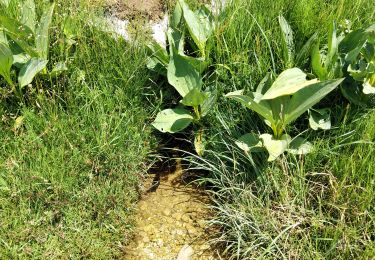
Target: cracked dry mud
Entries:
(170, 223)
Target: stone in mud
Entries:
(185, 253)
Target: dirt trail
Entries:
(170, 223)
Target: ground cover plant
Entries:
(298, 206)
(75, 144)
(73, 150)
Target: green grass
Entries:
(316, 207)
(69, 174)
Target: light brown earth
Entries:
(171, 223)
(135, 9)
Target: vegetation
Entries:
(76, 127)
(73, 150)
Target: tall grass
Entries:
(69, 173)
(317, 206)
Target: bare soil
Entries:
(135, 9)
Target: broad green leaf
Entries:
(28, 15)
(250, 143)
(172, 120)
(264, 85)
(15, 29)
(41, 32)
(288, 40)
(262, 108)
(20, 59)
(159, 58)
(200, 64)
(157, 51)
(299, 146)
(332, 43)
(288, 82)
(316, 64)
(58, 69)
(176, 17)
(197, 26)
(320, 118)
(194, 98)
(6, 61)
(176, 40)
(29, 70)
(304, 53)
(275, 147)
(352, 40)
(182, 75)
(308, 97)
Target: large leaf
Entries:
(332, 44)
(320, 118)
(194, 98)
(29, 70)
(176, 40)
(299, 146)
(15, 29)
(172, 120)
(288, 82)
(250, 143)
(182, 75)
(176, 17)
(197, 26)
(274, 146)
(42, 36)
(28, 15)
(262, 107)
(6, 61)
(308, 97)
(288, 40)
(316, 63)
(159, 58)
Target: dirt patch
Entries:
(170, 223)
(135, 9)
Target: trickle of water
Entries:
(170, 223)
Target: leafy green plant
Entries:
(291, 56)
(280, 103)
(24, 44)
(352, 56)
(188, 33)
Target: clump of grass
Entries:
(318, 206)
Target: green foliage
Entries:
(351, 55)
(282, 102)
(27, 40)
(184, 72)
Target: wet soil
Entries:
(171, 222)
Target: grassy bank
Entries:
(316, 206)
(69, 170)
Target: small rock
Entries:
(186, 218)
(185, 253)
(177, 216)
(167, 212)
(146, 240)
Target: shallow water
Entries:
(170, 223)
